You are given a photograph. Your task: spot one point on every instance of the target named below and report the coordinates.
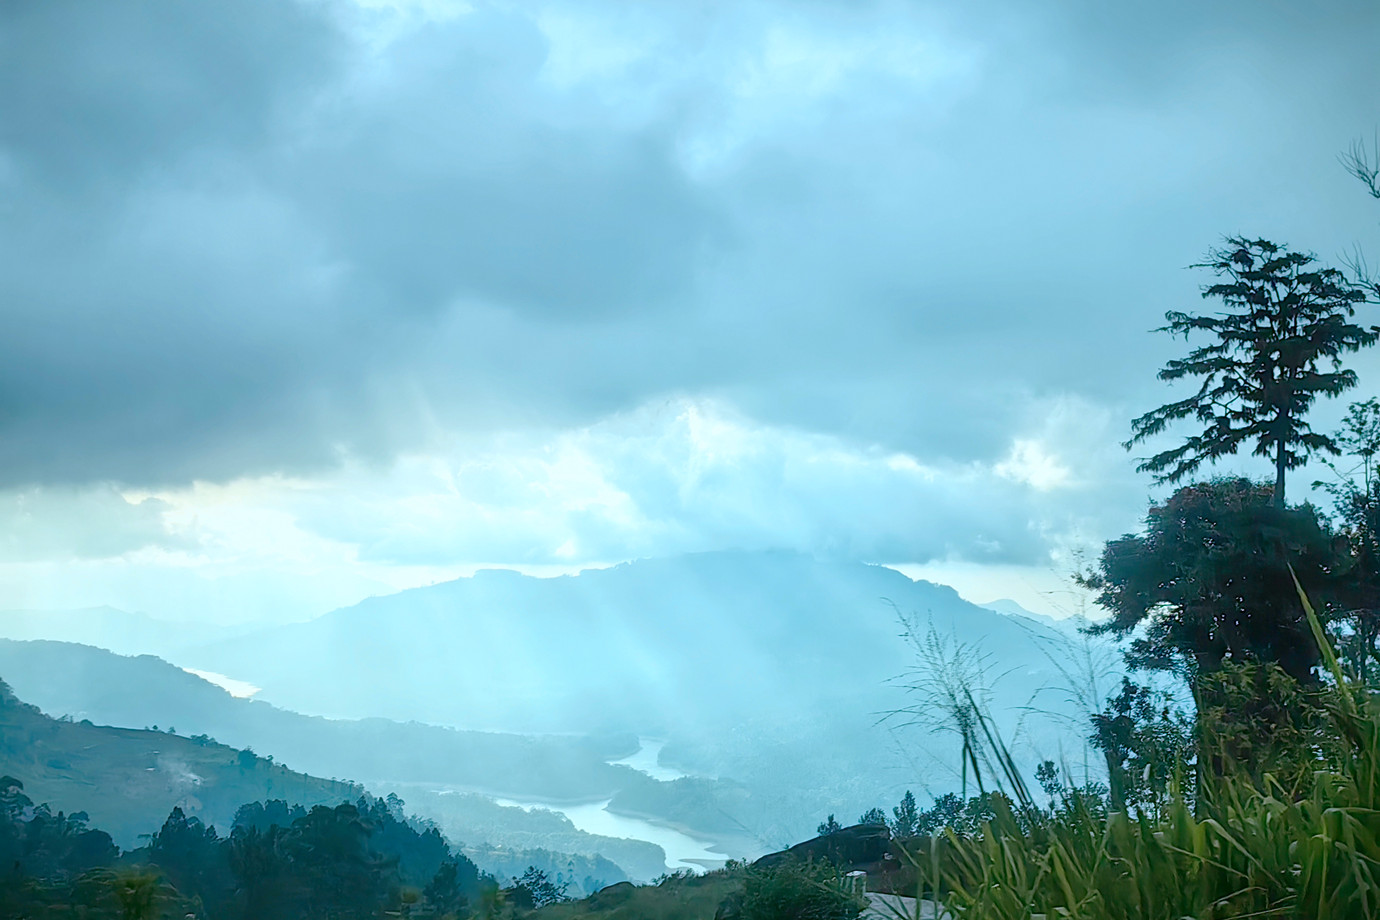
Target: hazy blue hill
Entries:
(119, 631)
(648, 646)
(1010, 608)
(769, 670)
(83, 683)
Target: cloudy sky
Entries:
(309, 300)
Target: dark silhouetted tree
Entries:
(906, 816)
(1277, 347)
(1047, 775)
(873, 816)
(195, 861)
(534, 888)
(1355, 492)
(455, 885)
(1209, 581)
(1144, 740)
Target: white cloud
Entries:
(678, 476)
(1030, 463)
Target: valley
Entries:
(804, 657)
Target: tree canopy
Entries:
(1209, 580)
(1278, 344)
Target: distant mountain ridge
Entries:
(82, 682)
(644, 646)
(121, 631)
(772, 671)
(1011, 608)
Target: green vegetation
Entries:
(1251, 841)
(1208, 581)
(1264, 799)
(77, 767)
(354, 856)
(279, 862)
(805, 890)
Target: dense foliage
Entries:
(1209, 580)
(798, 890)
(279, 861)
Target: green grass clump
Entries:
(1247, 845)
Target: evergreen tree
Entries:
(454, 886)
(536, 889)
(873, 816)
(195, 860)
(1278, 347)
(906, 817)
(828, 826)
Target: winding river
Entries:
(682, 850)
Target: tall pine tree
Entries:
(1278, 346)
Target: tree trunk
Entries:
(1279, 473)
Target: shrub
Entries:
(798, 890)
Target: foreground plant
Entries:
(1249, 846)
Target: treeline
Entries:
(278, 862)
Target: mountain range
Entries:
(653, 647)
(778, 681)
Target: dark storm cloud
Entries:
(452, 177)
(97, 94)
(239, 238)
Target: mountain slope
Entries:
(648, 646)
(771, 671)
(83, 682)
(128, 780)
(416, 760)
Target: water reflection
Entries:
(682, 851)
(646, 761)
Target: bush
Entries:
(798, 891)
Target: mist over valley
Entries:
(760, 682)
(571, 460)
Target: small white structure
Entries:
(896, 907)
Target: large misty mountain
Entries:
(767, 674)
(688, 644)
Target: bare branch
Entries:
(1364, 163)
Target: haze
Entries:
(311, 302)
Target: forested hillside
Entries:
(128, 780)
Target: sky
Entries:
(306, 301)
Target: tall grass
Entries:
(1246, 846)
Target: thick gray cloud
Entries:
(65, 525)
(242, 238)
